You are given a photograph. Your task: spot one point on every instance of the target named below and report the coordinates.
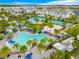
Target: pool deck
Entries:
(36, 54)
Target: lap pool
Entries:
(57, 22)
(23, 37)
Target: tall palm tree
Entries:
(44, 40)
(50, 41)
(73, 31)
(75, 44)
(29, 43)
(34, 43)
(56, 31)
(57, 55)
(4, 51)
(41, 47)
(49, 24)
(16, 46)
(23, 49)
(38, 27)
(32, 26)
(60, 55)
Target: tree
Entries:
(16, 46)
(40, 47)
(32, 26)
(73, 31)
(76, 44)
(71, 18)
(57, 55)
(2, 30)
(38, 27)
(23, 49)
(44, 40)
(75, 52)
(4, 51)
(49, 24)
(60, 55)
(4, 23)
(1, 36)
(51, 41)
(56, 31)
(29, 43)
(34, 43)
(67, 55)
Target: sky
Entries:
(41, 2)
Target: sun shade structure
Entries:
(29, 56)
(11, 41)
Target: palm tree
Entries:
(51, 41)
(40, 47)
(44, 40)
(1, 36)
(60, 55)
(4, 51)
(75, 44)
(29, 43)
(16, 46)
(2, 30)
(32, 26)
(23, 49)
(73, 31)
(56, 31)
(57, 55)
(34, 43)
(38, 27)
(67, 55)
(49, 24)
(4, 23)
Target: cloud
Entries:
(63, 2)
(66, 2)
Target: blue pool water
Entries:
(58, 22)
(23, 37)
(40, 18)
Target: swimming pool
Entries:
(36, 19)
(57, 22)
(23, 37)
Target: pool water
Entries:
(23, 37)
(39, 19)
(58, 22)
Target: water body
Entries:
(23, 37)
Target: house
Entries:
(68, 44)
(77, 37)
(69, 25)
(9, 30)
(51, 30)
(63, 35)
(59, 46)
(69, 40)
(65, 45)
(69, 48)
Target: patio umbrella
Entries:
(29, 55)
(11, 41)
